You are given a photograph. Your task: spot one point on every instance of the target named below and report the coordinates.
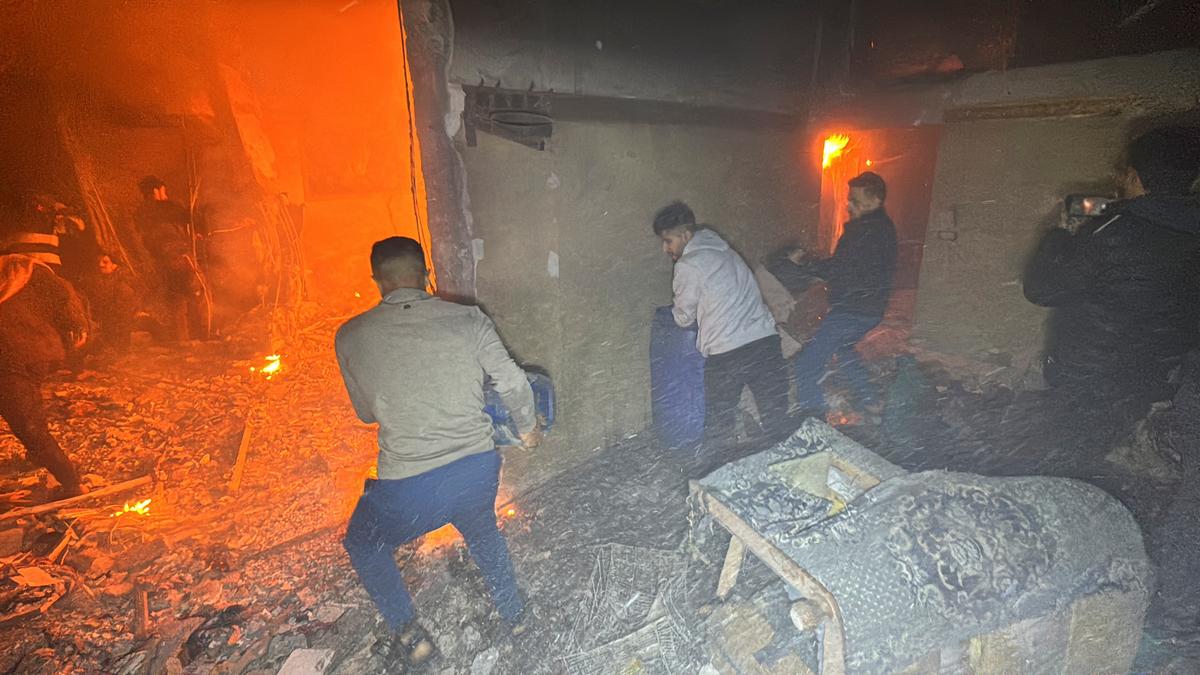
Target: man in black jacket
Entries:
(1125, 287)
(859, 277)
(1125, 293)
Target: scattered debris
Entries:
(71, 501)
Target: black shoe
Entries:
(410, 647)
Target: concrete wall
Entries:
(998, 182)
(757, 54)
(1013, 145)
(588, 200)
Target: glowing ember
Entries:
(141, 508)
(844, 419)
(834, 146)
(271, 368)
(510, 513)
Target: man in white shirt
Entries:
(715, 289)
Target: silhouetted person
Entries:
(41, 319)
(715, 289)
(77, 242)
(415, 364)
(859, 277)
(164, 226)
(31, 232)
(113, 303)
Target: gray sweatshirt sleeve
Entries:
(685, 284)
(510, 380)
(357, 397)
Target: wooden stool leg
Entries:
(733, 565)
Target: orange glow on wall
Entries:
(336, 95)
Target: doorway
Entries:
(906, 159)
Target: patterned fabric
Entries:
(962, 546)
(929, 559)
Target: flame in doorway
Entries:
(834, 146)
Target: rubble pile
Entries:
(248, 481)
(216, 546)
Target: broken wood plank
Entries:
(70, 501)
(833, 641)
(732, 567)
(239, 466)
(141, 616)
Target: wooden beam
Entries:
(239, 465)
(94, 494)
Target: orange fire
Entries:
(272, 367)
(141, 508)
(834, 146)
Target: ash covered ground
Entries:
(218, 579)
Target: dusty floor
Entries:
(235, 580)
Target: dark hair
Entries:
(672, 216)
(1167, 160)
(871, 183)
(396, 257)
(149, 184)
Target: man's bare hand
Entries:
(532, 439)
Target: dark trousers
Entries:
(21, 406)
(759, 365)
(836, 337)
(391, 513)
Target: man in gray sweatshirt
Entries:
(415, 365)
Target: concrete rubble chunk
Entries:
(307, 662)
(485, 662)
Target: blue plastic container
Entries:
(504, 431)
(676, 383)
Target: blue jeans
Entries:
(836, 336)
(391, 513)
